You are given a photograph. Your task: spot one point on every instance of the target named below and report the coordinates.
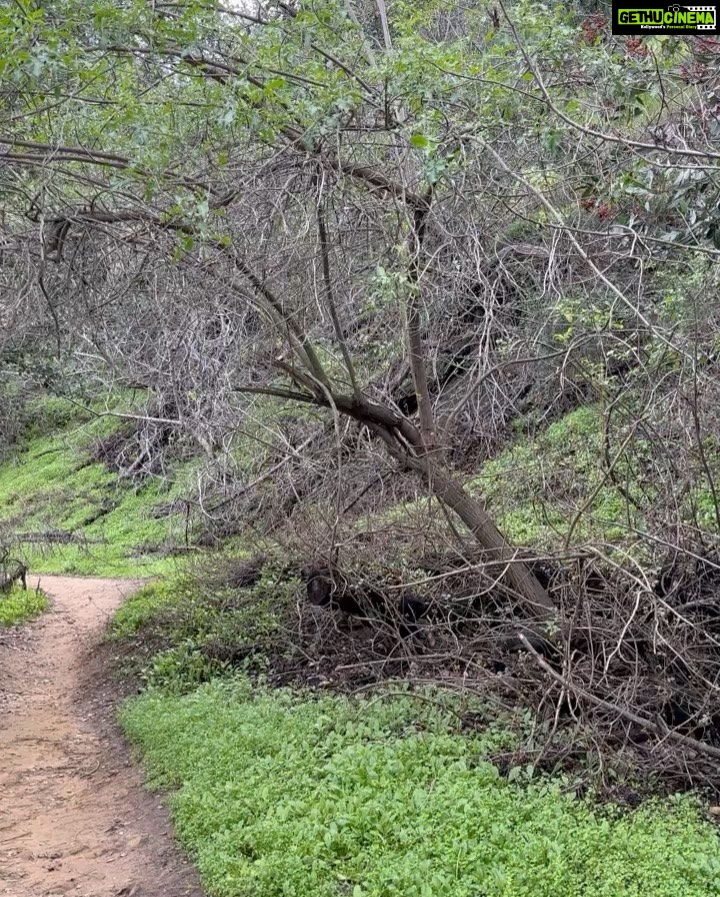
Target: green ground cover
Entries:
(277, 795)
(18, 605)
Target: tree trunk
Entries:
(473, 514)
(389, 425)
(8, 579)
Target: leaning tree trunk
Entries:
(472, 512)
(406, 444)
(441, 482)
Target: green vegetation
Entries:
(537, 486)
(145, 605)
(18, 605)
(280, 796)
(187, 629)
(74, 515)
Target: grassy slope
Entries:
(534, 488)
(52, 485)
(554, 488)
(537, 486)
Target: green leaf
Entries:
(420, 141)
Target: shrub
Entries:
(201, 628)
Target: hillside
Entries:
(65, 511)
(379, 339)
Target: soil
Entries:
(74, 817)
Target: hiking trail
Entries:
(74, 816)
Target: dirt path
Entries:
(74, 818)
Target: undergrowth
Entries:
(18, 605)
(72, 515)
(537, 486)
(283, 796)
(144, 605)
(185, 630)
(280, 793)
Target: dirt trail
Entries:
(74, 818)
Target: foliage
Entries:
(75, 515)
(185, 630)
(285, 796)
(182, 668)
(18, 605)
(143, 605)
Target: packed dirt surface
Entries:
(74, 818)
